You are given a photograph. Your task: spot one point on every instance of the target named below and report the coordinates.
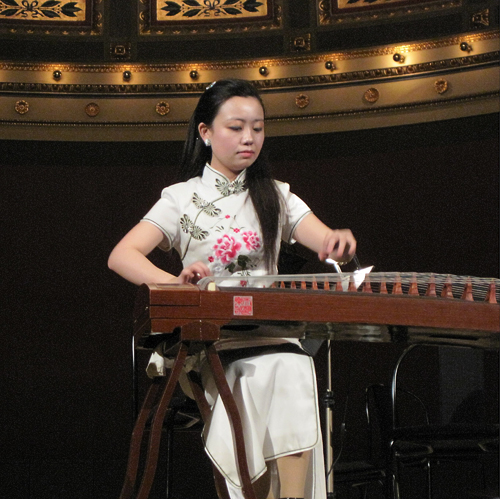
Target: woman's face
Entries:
(236, 134)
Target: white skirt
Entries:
(277, 399)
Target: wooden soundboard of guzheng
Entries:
(394, 306)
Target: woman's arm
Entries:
(339, 245)
(129, 258)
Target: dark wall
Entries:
(418, 198)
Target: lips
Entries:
(246, 153)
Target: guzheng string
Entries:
(411, 283)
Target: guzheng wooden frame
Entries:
(410, 308)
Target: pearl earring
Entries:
(208, 143)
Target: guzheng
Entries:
(385, 307)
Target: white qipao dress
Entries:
(212, 220)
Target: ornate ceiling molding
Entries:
(57, 17)
(372, 54)
(336, 12)
(361, 76)
(198, 17)
(452, 77)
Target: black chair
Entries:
(359, 479)
(399, 452)
(363, 479)
(438, 423)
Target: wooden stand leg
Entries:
(234, 418)
(158, 420)
(156, 429)
(157, 424)
(136, 440)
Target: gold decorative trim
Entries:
(247, 64)
(66, 18)
(163, 108)
(302, 101)
(372, 95)
(481, 18)
(383, 109)
(441, 86)
(22, 107)
(153, 22)
(328, 14)
(92, 109)
(120, 51)
(41, 13)
(277, 119)
(192, 11)
(301, 43)
(379, 74)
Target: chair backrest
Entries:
(379, 417)
(445, 385)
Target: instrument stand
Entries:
(328, 402)
(196, 335)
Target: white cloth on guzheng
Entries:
(277, 398)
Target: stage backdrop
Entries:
(418, 198)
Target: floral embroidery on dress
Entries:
(242, 264)
(226, 248)
(189, 227)
(227, 188)
(251, 239)
(226, 253)
(206, 206)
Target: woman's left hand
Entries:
(340, 245)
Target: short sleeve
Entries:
(294, 212)
(165, 215)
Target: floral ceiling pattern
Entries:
(198, 17)
(210, 10)
(347, 4)
(35, 11)
(339, 11)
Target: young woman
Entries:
(227, 216)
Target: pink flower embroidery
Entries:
(228, 216)
(211, 259)
(226, 248)
(251, 239)
(236, 230)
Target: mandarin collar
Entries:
(226, 187)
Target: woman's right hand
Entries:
(193, 273)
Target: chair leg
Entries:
(394, 487)
(429, 479)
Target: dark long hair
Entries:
(262, 189)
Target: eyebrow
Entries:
(241, 119)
